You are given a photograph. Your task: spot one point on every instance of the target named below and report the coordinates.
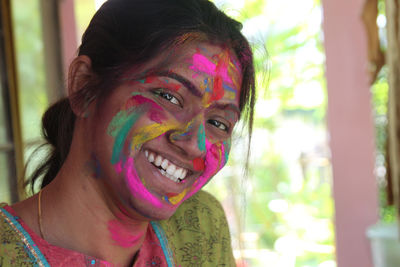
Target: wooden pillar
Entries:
(60, 43)
(393, 64)
(69, 41)
(351, 129)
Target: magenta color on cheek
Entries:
(122, 235)
(214, 161)
(156, 113)
(136, 187)
(140, 100)
(157, 117)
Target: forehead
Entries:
(214, 70)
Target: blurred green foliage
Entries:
(30, 66)
(289, 188)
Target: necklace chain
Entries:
(40, 214)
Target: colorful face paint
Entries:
(201, 138)
(150, 120)
(221, 69)
(122, 234)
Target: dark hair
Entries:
(126, 33)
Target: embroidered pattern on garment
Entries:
(32, 249)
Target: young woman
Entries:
(154, 94)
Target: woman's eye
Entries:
(219, 125)
(169, 97)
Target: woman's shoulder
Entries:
(203, 203)
(198, 232)
(13, 249)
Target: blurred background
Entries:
(282, 212)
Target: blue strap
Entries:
(164, 243)
(27, 236)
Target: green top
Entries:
(196, 235)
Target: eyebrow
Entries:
(188, 84)
(227, 106)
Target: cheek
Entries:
(214, 161)
(135, 184)
(126, 123)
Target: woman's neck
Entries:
(76, 214)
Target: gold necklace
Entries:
(40, 214)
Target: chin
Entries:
(150, 212)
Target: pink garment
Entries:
(150, 254)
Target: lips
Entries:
(166, 167)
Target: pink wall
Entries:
(351, 131)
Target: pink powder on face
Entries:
(157, 117)
(136, 186)
(122, 234)
(118, 167)
(155, 112)
(214, 161)
(140, 100)
(202, 64)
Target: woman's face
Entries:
(159, 139)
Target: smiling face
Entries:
(160, 138)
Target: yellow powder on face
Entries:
(176, 199)
(230, 95)
(150, 132)
(182, 132)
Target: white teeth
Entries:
(164, 164)
(178, 173)
(183, 175)
(171, 169)
(158, 161)
(151, 157)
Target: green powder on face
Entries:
(121, 136)
(119, 128)
(201, 138)
(227, 148)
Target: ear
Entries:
(79, 74)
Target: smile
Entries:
(166, 168)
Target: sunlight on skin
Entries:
(222, 68)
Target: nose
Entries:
(191, 139)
